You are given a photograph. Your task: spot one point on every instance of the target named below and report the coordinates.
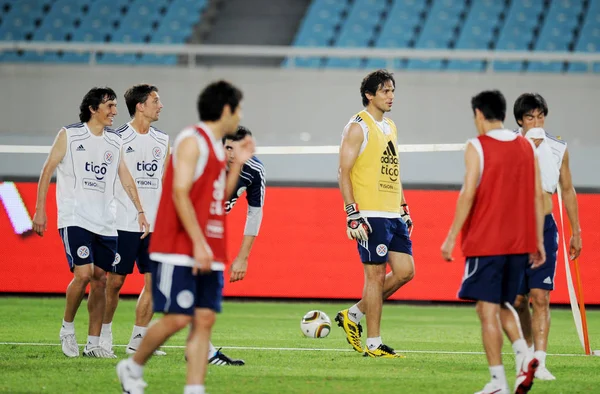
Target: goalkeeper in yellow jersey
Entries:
(377, 214)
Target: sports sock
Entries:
(67, 327)
(541, 357)
(194, 389)
(355, 314)
(106, 330)
(93, 341)
(373, 343)
(498, 375)
(212, 350)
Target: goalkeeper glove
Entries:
(358, 227)
(406, 217)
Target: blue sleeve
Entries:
(255, 194)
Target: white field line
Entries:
(289, 349)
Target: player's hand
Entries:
(203, 257)
(39, 222)
(144, 225)
(406, 217)
(357, 226)
(238, 269)
(575, 246)
(448, 247)
(538, 258)
(243, 150)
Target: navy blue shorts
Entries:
(387, 235)
(132, 249)
(176, 290)
(495, 279)
(543, 276)
(84, 247)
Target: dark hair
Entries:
(137, 94)
(528, 102)
(239, 134)
(94, 98)
(374, 81)
(213, 99)
(491, 103)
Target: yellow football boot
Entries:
(352, 330)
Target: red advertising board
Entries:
(301, 252)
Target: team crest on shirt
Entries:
(185, 299)
(157, 152)
(83, 252)
(381, 250)
(108, 157)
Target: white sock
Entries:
(541, 357)
(355, 314)
(194, 389)
(68, 327)
(136, 369)
(520, 347)
(138, 333)
(212, 350)
(531, 349)
(498, 375)
(93, 341)
(106, 330)
(373, 343)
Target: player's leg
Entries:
(349, 319)
(524, 312)
(525, 363)
(122, 266)
(482, 282)
(541, 285)
(114, 282)
(77, 248)
(143, 308)
(400, 260)
(104, 250)
(173, 293)
(143, 317)
(208, 304)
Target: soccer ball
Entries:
(315, 324)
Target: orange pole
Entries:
(579, 289)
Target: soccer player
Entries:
(189, 239)
(87, 156)
(145, 151)
(501, 176)
(252, 182)
(369, 179)
(530, 111)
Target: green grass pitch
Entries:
(442, 345)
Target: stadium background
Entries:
(52, 52)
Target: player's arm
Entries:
(131, 190)
(357, 226)
(255, 195)
(570, 198)
(187, 155)
(57, 153)
(166, 163)
(538, 258)
(465, 200)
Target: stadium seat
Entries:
(119, 21)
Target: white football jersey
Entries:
(85, 180)
(550, 156)
(144, 155)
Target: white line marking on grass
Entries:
(292, 349)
